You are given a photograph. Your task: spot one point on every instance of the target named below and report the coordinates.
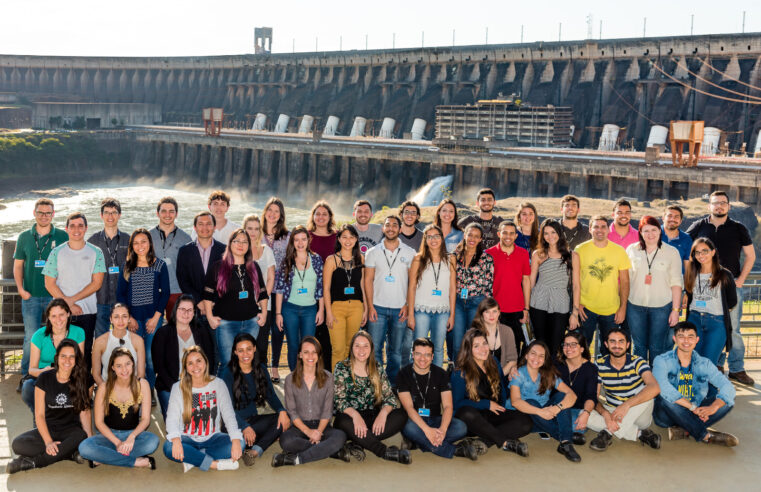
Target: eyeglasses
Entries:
(240, 241)
(44, 214)
(110, 214)
(409, 212)
(702, 252)
(570, 345)
(185, 310)
(433, 236)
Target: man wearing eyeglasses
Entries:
(731, 239)
(32, 250)
(409, 234)
(426, 395)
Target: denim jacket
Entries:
(666, 372)
(283, 286)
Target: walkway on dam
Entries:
(678, 465)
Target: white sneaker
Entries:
(186, 467)
(227, 465)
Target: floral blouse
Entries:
(477, 279)
(283, 286)
(358, 392)
(278, 247)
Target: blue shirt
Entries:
(530, 389)
(452, 240)
(523, 241)
(666, 370)
(683, 244)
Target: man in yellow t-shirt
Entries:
(604, 277)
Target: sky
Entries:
(219, 27)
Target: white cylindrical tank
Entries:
(282, 123)
(387, 128)
(658, 135)
(757, 147)
(609, 137)
(711, 138)
(306, 123)
(260, 121)
(418, 129)
(358, 128)
(331, 126)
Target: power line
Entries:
(655, 65)
(729, 76)
(627, 103)
(712, 83)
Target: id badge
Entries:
(114, 270)
(390, 279)
(700, 304)
(168, 260)
(424, 412)
(348, 290)
(243, 294)
(648, 279)
(302, 290)
(436, 292)
(39, 263)
(464, 293)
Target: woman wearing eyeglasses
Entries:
(117, 336)
(580, 374)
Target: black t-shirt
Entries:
(491, 228)
(59, 409)
(583, 381)
(436, 382)
(729, 239)
(231, 306)
(577, 235)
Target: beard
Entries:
(719, 216)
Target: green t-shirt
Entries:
(34, 249)
(45, 344)
(599, 268)
(302, 289)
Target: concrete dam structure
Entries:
(632, 83)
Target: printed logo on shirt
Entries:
(62, 401)
(600, 270)
(204, 416)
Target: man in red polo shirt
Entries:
(512, 286)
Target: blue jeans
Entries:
(298, 322)
(668, 414)
(650, 330)
(27, 392)
(712, 333)
(31, 310)
(98, 448)
(561, 427)
(103, 320)
(163, 397)
(456, 431)
(464, 312)
(202, 454)
(150, 374)
(600, 324)
(226, 332)
(736, 357)
(399, 338)
(436, 323)
(575, 412)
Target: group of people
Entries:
(368, 312)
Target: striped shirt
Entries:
(619, 386)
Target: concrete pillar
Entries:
(296, 172)
(666, 189)
(344, 173)
(527, 183)
(579, 184)
(358, 177)
(227, 169)
(641, 187)
(253, 175)
(609, 183)
(734, 193)
(312, 185)
(213, 172)
(203, 164)
(282, 173)
(267, 174)
(190, 166)
(179, 163)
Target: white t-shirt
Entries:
(391, 270)
(73, 270)
(221, 235)
(265, 262)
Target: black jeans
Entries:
(263, 339)
(495, 428)
(323, 336)
(87, 323)
(31, 445)
(372, 442)
(295, 441)
(266, 429)
(549, 328)
(513, 320)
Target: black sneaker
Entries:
(284, 459)
(22, 463)
(646, 436)
(567, 450)
(466, 450)
(602, 441)
(77, 458)
(478, 444)
(407, 444)
(342, 454)
(579, 439)
(399, 455)
(355, 450)
(517, 447)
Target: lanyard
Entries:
(396, 255)
(37, 244)
(301, 275)
(347, 271)
(241, 276)
(106, 241)
(649, 261)
(165, 236)
(422, 395)
(436, 274)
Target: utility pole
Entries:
(644, 27)
(393, 40)
(365, 42)
(600, 28)
(452, 38)
(743, 30)
(692, 23)
(315, 44)
(521, 33)
(294, 45)
(486, 41)
(422, 39)
(340, 43)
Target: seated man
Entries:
(628, 387)
(426, 396)
(687, 404)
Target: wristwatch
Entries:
(693, 407)
(559, 405)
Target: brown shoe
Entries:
(742, 378)
(249, 457)
(677, 433)
(722, 439)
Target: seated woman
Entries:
(61, 412)
(479, 393)
(198, 405)
(117, 337)
(45, 342)
(530, 393)
(577, 371)
(363, 396)
(309, 401)
(499, 337)
(170, 343)
(250, 386)
(122, 415)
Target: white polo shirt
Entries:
(391, 270)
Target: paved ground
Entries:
(679, 465)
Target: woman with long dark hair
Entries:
(117, 337)
(479, 389)
(144, 289)
(575, 368)
(367, 410)
(554, 287)
(322, 236)
(345, 303)
(309, 401)
(711, 294)
(431, 291)
(299, 302)
(446, 220)
(61, 412)
(250, 388)
(531, 392)
(527, 220)
(499, 337)
(235, 294)
(122, 415)
(44, 343)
